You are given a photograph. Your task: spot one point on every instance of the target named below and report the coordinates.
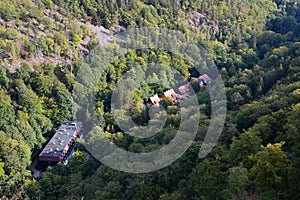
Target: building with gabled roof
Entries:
(204, 80)
(184, 89)
(170, 93)
(155, 100)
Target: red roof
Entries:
(204, 78)
(184, 89)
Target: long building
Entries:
(62, 143)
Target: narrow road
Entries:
(36, 173)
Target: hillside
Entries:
(35, 32)
(45, 44)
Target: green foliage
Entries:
(238, 182)
(207, 180)
(16, 157)
(62, 42)
(4, 80)
(256, 46)
(248, 143)
(270, 168)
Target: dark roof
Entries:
(59, 142)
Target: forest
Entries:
(255, 45)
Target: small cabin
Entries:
(204, 80)
(171, 94)
(155, 100)
(184, 89)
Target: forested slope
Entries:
(255, 45)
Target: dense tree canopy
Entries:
(255, 45)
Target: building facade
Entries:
(61, 145)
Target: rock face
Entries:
(197, 19)
(201, 20)
(103, 35)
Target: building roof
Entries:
(204, 78)
(155, 99)
(61, 140)
(184, 89)
(170, 93)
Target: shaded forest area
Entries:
(255, 45)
